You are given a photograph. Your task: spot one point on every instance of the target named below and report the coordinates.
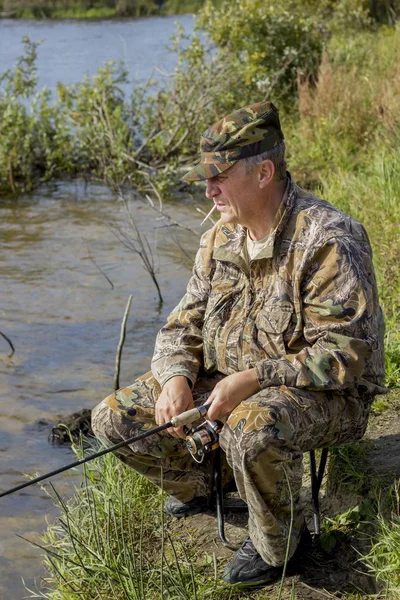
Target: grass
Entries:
(393, 359)
(111, 541)
(383, 560)
(348, 468)
(380, 405)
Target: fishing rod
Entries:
(183, 419)
(200, 440)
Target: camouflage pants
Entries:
(263, 441)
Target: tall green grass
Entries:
(383, 560)
(111, 542)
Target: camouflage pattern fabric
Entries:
(305, 315)
(111, 422)
(263, 442)
(248, 131)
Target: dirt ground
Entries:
(334, 570)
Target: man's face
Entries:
(235, 194)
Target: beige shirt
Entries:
(254, 247)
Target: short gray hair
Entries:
(276, 156)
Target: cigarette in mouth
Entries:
(209, 214)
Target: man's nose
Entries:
(211, 188)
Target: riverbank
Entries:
(342, 126)
(126, 9)
(114, 536)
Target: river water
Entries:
(59, 311)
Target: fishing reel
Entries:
(203, 439)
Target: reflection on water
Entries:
(64, 319)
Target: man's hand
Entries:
(230, 392)
(175, 398)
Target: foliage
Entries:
(86, 9)
(31, 142)
(172, 120)
(393, 359)
(351, 518)
(91, 128)
(99, 122)
(267, 41)
(383, 559)
(348, 468)
(87, 129)
(175, 7)
(110, 541)
(271, 43)
(338, 14)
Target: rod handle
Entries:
(189, 416)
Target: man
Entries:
(280, 333)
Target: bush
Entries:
(100, 123)
(32, 140)
(267, 42)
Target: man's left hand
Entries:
(230, 392)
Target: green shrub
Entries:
(267, 41)
(100, 123)
(33, 136)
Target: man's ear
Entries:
(266, 173)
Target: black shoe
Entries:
(175, 508)
(248, 569)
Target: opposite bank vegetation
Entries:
(333, 68)
(94, 9)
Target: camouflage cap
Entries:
(249, 131)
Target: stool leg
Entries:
(316, 481)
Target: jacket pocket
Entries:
(275, 318)
(272, 321)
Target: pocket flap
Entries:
(275, 318)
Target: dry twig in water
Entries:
(121, 343)
(90, 257)
(137, 242)
(9, 342)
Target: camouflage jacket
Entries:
(304, 313)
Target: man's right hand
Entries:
(175, 398)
